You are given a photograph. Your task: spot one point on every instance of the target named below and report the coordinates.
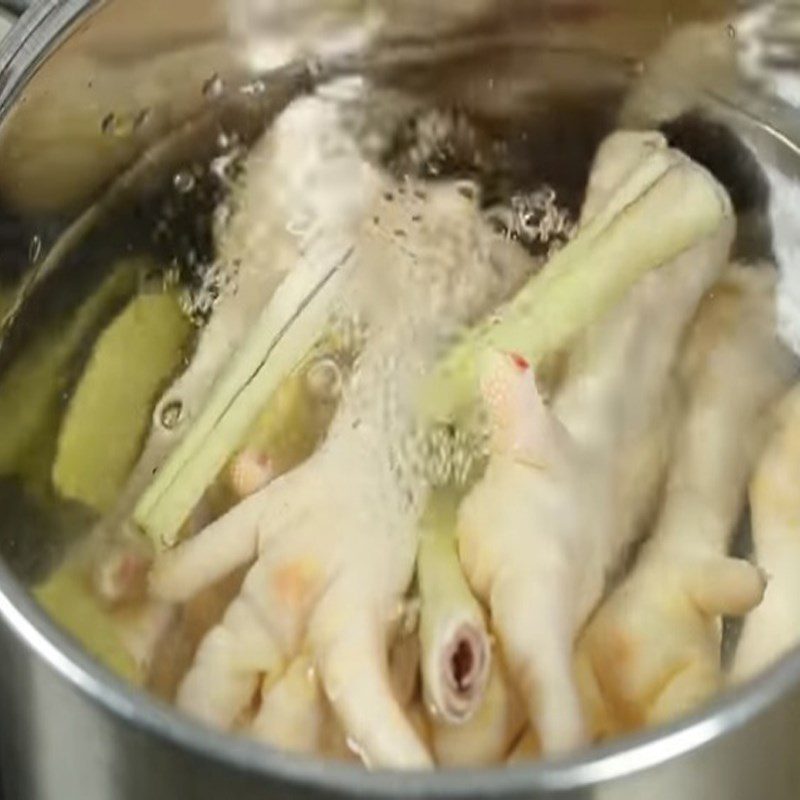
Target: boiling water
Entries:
(526, 163)
(524, 166)
(524, 196)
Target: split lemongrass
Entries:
(284, 334)
(662, 208)
(456, 650)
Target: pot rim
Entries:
(23, 49)
(625, 757)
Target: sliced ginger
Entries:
(32, 388)
(109, 413)
(327, 526)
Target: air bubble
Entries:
(223, 214)
(637, 68)
(314, 67)
(253, 88)
(533, 218)
(299, 225)
(213, 87)
(467, 189)
(120, 125)
(142, 118)
(221, 165)
(171, 414)
(183, 181)
(324, 379)
(109, 123)
(34, 249)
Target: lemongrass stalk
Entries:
(284, 334)
(456, 650)
(298, 413)
(662, 208)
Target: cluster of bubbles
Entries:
(535, 219)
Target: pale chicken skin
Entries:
(652, 652)
(335, 540)
(559, 503)
(773, 628)
(311, 651)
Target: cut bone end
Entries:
(463, 673)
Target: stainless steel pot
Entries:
(68, 729)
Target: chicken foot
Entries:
(773, 628)
(334, 541)
(653, 648)
(556, 508)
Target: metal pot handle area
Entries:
(15, 7)
(9, 11)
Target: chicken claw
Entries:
(520, 579)
(565, 493)
(654, 646)
(773, 629)
(292, 713)
(333, 542)
(334, 557)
